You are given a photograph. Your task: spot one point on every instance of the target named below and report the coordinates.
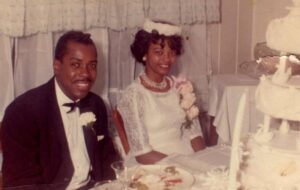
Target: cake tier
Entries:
(283, 33)
(279, 101)
(271, 166)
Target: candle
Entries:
(234, 158)
(284, 127)
(282, 64)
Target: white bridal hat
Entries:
(161, 28)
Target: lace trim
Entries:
(131, 109)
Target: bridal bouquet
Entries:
(187, 100)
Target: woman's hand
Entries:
(150, 157)
(198, 143)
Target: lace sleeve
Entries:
(131, 109)
(195, 129)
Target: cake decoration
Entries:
(283, 33)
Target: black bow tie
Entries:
(72, 106)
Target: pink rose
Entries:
(178, 81)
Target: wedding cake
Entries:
(270, 158)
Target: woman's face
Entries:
(159, 60)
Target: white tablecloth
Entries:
(197, 164)
(224, 94)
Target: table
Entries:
(224, 94)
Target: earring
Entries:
(144, 58)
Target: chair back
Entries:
(118, 121)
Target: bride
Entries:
(150, 106)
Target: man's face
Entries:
(77, 71)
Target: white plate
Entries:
(187, 178)
(113, 185)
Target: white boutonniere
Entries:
(87, 119)
(187, 100)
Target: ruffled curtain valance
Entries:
(26, 17)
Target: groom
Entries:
(55, 136)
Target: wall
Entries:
(243, 24)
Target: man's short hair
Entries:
(71, 36)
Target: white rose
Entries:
(185, 104)
(86, 118)
(189, 96)
(186, 88)
(192, 112)
(188, 100)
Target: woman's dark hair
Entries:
(143, 39)
(71, 36)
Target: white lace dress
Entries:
(153, 121)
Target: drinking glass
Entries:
(121, 172)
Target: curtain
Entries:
(122, 64)
(6, 73)
(101, 86)
(33, 61)
(26, 17)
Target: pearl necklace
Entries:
(161, 85)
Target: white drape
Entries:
(6, 73)
(101, 86)
(33, 61)
(121, 64)
(26, 17)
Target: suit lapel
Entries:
(88, 131)
(58, 137)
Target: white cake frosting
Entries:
(283, 33)
(279, 101)
(271, 166)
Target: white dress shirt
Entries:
(75, 139)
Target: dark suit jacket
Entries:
(35, 149)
